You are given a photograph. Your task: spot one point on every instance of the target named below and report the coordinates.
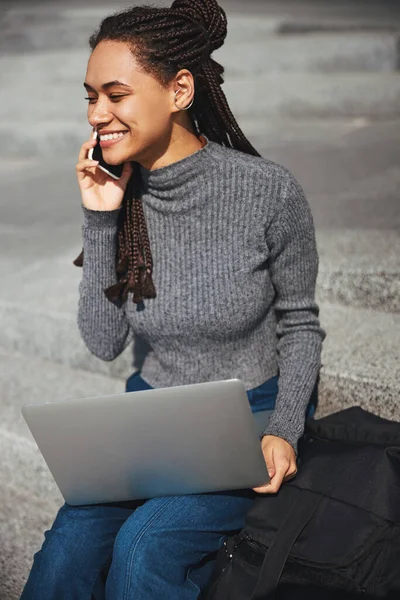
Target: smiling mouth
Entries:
(111, 139)
(110, 136)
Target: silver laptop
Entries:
(167, 441)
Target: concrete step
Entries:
(316, 52)
(349, 168)
(314, 94)
(32, 379)
(30, 500)
(57, 28)
(52, 27)
(259, 40)
(359, 268)
(361, 361)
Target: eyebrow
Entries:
(107, 85)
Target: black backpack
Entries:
(333, 533)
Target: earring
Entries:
(186, 106)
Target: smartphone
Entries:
(114, 171)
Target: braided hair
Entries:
(165, 40)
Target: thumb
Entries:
(270, 467)
(269, 461)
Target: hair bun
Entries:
(209, 15)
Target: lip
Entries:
(108, 143)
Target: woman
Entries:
(204, 251)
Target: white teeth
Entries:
(112, 136)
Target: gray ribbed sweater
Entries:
(235, 265)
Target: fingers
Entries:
(290, 475)
(83, 161)
(271, 468)
(83, 165)
(282, 468)
(280, 460)
(269, 461)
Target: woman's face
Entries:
(141, 108)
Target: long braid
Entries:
(165, 40)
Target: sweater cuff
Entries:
(100, 219)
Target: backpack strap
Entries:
(278, 552)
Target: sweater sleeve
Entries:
(102, 325)
(293, 268)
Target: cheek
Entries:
(154, 112)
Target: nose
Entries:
(99, 115)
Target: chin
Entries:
(117, 158)
(114, 158)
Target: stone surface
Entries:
(359, 268)
(32, 380)
(361, 361)
(316, 52)
(53, 27)
(54, 336)
(265, 42)
(349, 169)
(70, 28)
(29, 503)
(311, 94)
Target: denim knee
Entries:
(69, 561)
(148, 554)
(56, 568)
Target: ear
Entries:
(182, 90)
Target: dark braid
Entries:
(165, 40)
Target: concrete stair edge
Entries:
(376, 290)
(30, 501)
(33, 379)
(313, 51)
(338, 391)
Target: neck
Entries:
(175, 187)
(182, 143)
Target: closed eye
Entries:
(114, 98)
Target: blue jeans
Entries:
(162, 548)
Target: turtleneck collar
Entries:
(175, 187)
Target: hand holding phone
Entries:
(99, 189)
